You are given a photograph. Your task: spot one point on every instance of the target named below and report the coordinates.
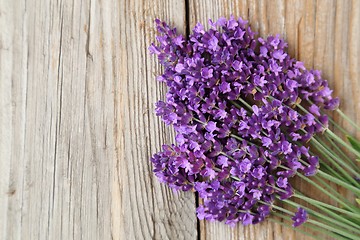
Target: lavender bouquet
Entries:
(248, 120)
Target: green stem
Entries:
(311, 226)
(333, 160)
(340, 201)
(237, 137)
(346, 234)
(346, 220)
(350, 161)
(324, 218)
(334, 229)
(327, 176)
(319, 205)
(325, 207)
(338, 126)
(331, 153)
(278, 208)
(333, 135)
(334, 155)
(327, 130)
(332, 121)
(344, 202)
(343, 115)
(236, 104)
(342, 142)
(290, 226)
(199, 121)
(333, 226)
(330, 170)
(245, 103)
(322, 189)
(339, 182)
(313, 201)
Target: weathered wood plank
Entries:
(142, 207)
(57, 139)
(77, 90)
(320, 33)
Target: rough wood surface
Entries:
(57, 120)
(142, 207)
(77, 122)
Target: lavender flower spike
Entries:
(300, 217)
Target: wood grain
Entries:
(142, 207)
(77, 122)
(57, 131)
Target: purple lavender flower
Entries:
(213, 43)
(211, 126)
(247, 219)
(224, 87)
(245, 166)
(300, 217)
(237, 65)
(280, 55)
(266, 141)
(256, 194)
(200, 211)
(236, 155)
(222, 161)
(282, 182)
(258, 172)
(167, 168)
(207, 73)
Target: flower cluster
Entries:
(300, 217)
(243, 110)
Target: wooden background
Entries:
(77, 122)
